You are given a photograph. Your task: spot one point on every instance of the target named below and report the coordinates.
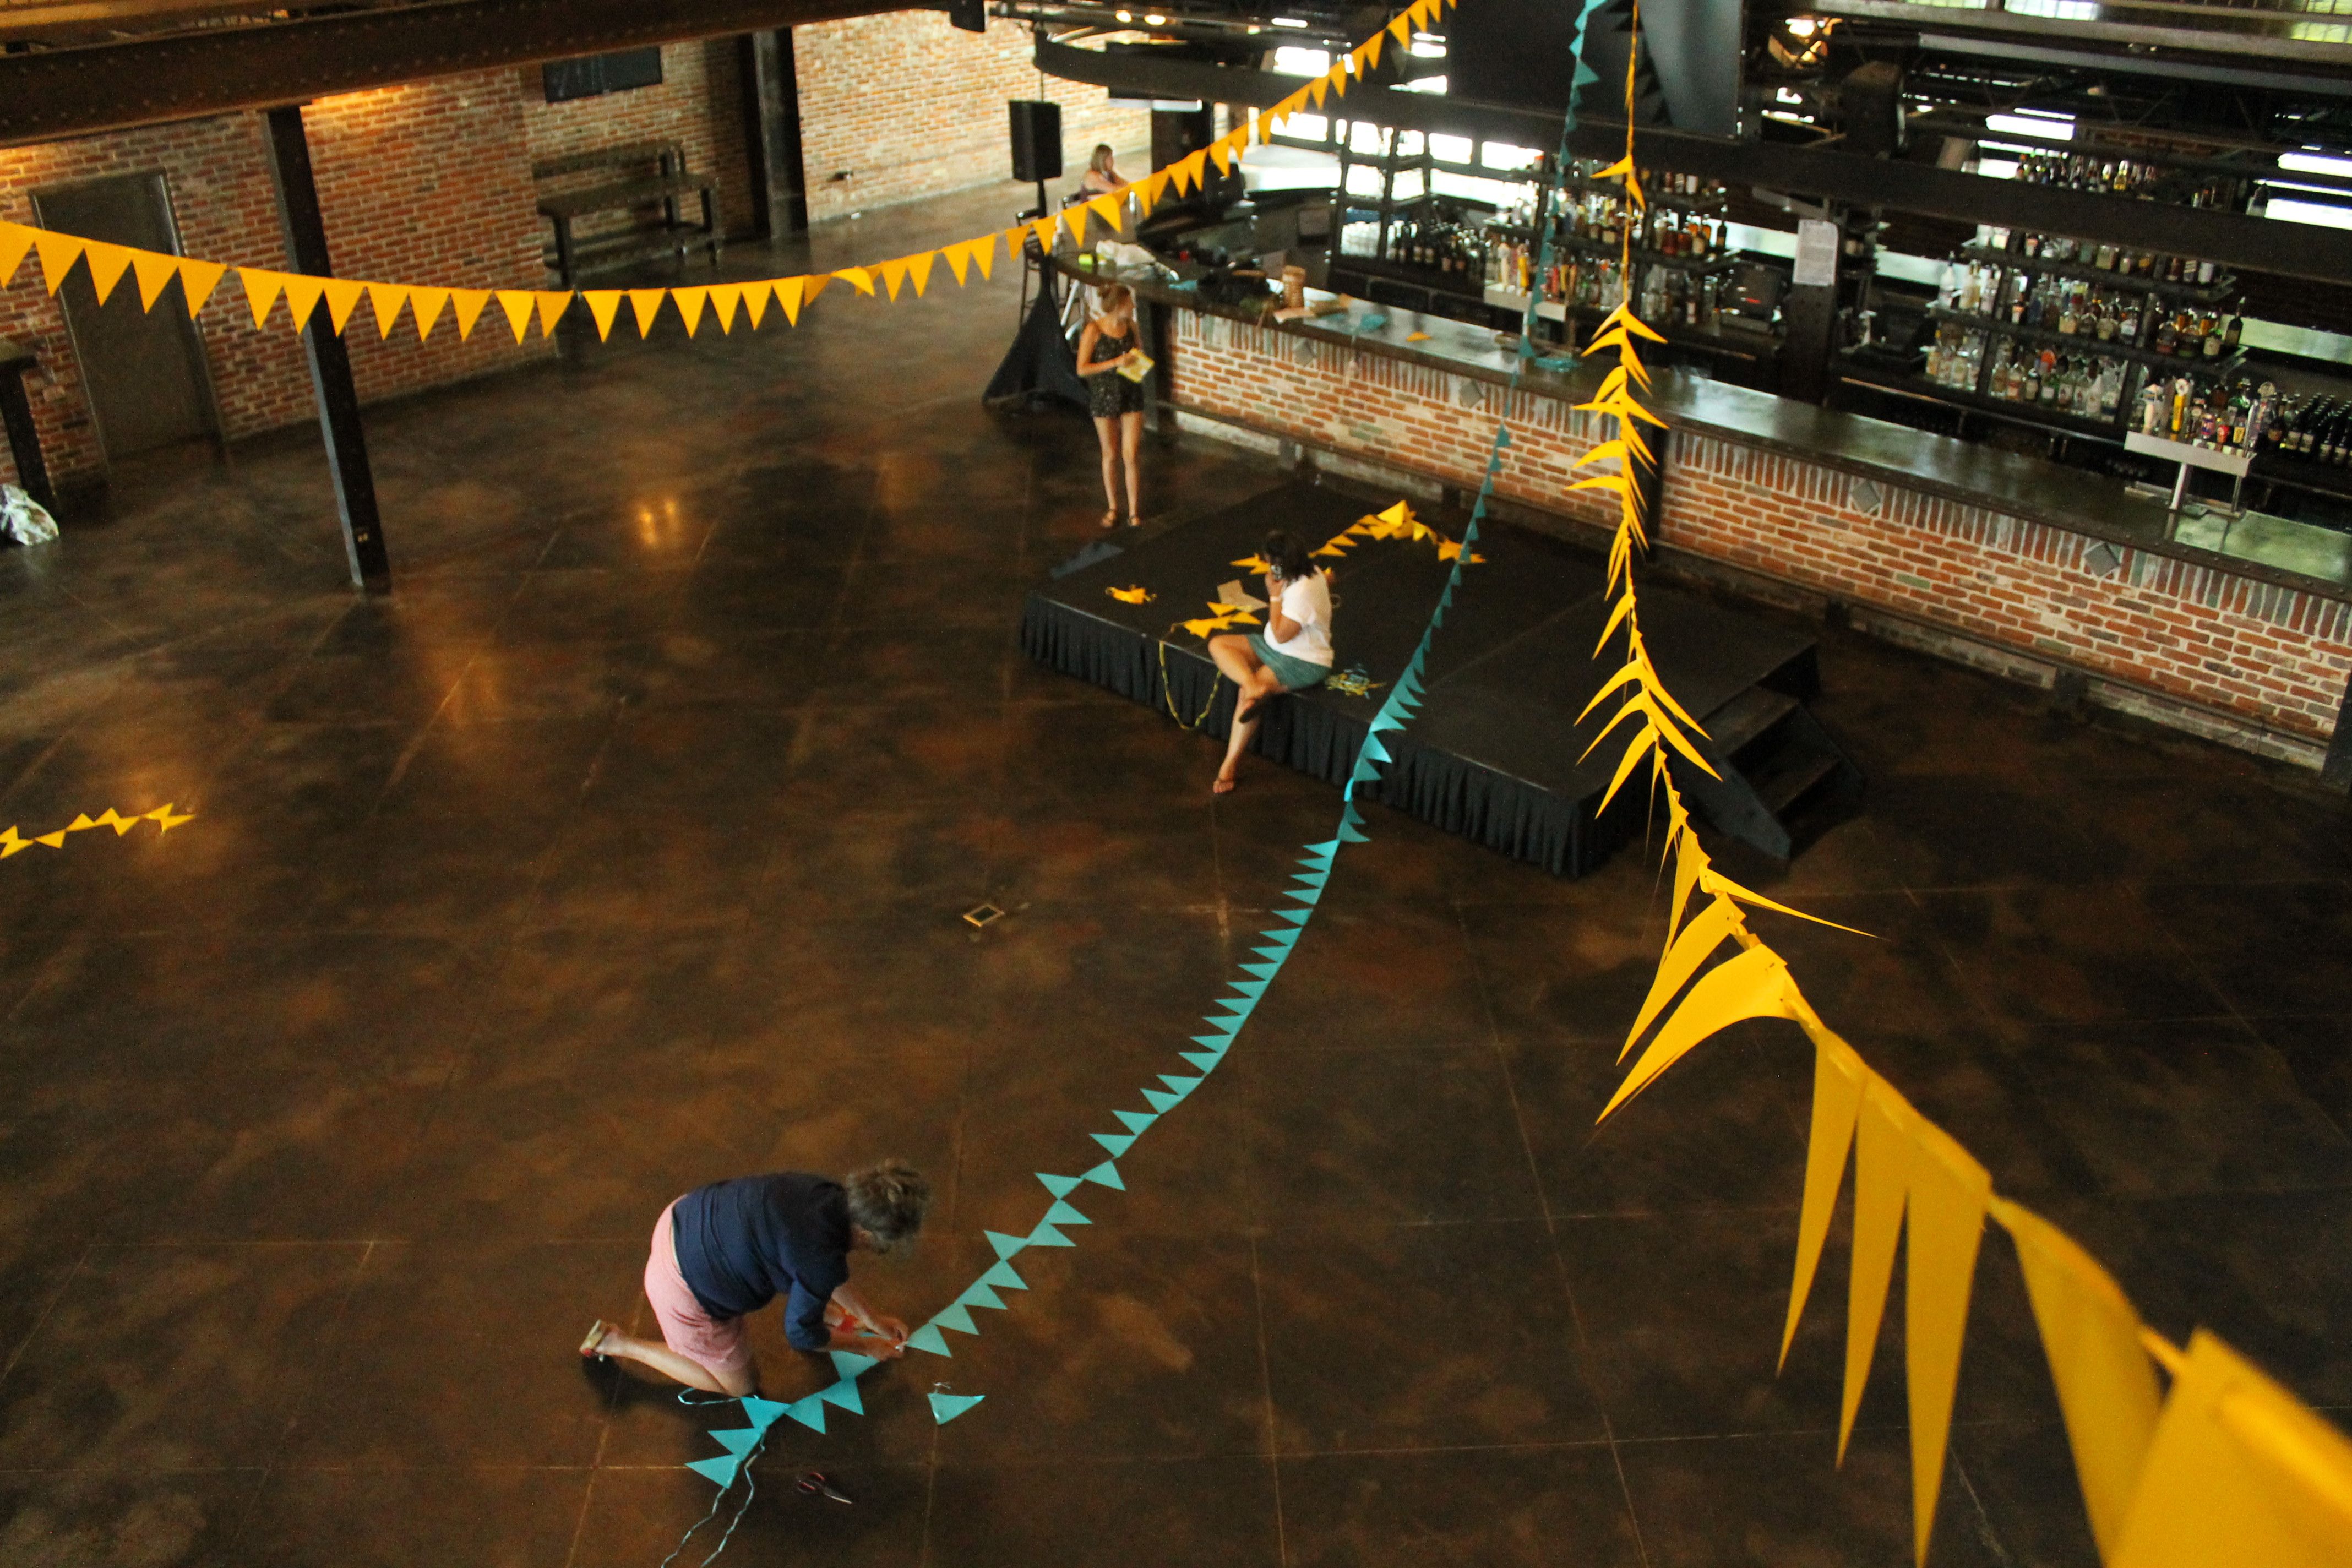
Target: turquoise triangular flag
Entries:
(1386, 720)
(1217, 1043)
(844, 1394)
(1316, 862)
(1252, 989)
(978, 1294)
(738, 1441)
(958, 1317)
(1177, 1084)
(1137, 1121)
(1263, 971)
(763, 1412)
(720, 1470)
(1063, 1214)
(1308, 895)
(1046, 1235)
(1295, 916)
(1107, 1174)
(1502, 435)
(1004, 1278)
(946, 1407)
(1006, 1246)
(1314, 882)
(1160, 1101)
(1585, 75)
(1205, 1060)
(850, 1364)
(1284, 939)
(1117, 1145)
(809, 1411)
(1376, 749)
(1057, 1185)
(1352, 837)
(1329, 847)
(928, 1337)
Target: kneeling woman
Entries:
(1293, 653)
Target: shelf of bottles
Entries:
(1678, 255)
(1437, 243)
(2308, 441)
(2079, 330)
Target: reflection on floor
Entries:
(623, 848)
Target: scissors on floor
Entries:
(815, 1485)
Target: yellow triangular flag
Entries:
(918, 270)
(813, 285)
(54, 840)
(425, 308)
(2240, 1475)
(384, 300)
(82, 822)
(465, 308)
(58, 252)
(959, 259)
(1948, 1194)
(1752, 983)
(553, 303)
(648, 304)
(724, 299)
(689, 307)
(304, 293)
(1075, 217)
(1337, 77)
(519, 304)
(262, 288)
(342, 299)
(1317, 88)
(1046, 229)
(894, 273)
(984, 254)
(163, 819)
(789, 295)
(197, 281)
(1882, 1171)
(1223, 151)
(604, 304)
(1838, 1082)
(1368, 53)
(1402, 29)
(2106, 1387)
(1111, 210)
(860, 278)
(756, 298)
(15, 244)
(155, 273)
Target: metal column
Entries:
(330, 360)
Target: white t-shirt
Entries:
(1307, 601)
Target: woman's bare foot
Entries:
(1111, 518)
(1223, 785)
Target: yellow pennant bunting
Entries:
(2106, 1387)
(107, 263)
(724, 299)
(58, 252)
(1107, 208)
(756, 298)
(893, 273)
(1839, 1079)
(1402, 30)
(15, 244)
(788, 296)
(342, 299)
(2239, 1474)
(1948, 1194)
(1881, 1172)
(646, 303)
(1075, 217)
(1136, 596)
(465, 308)
(860, 277)
(813, 285)
(1711, 930)
(959, 260)
(1317, 88)
(984, 254)
(425, 308)
(155, 273)
(1368, 53)
(1338, 76)
(262, 288)
(1750, 984)
(1047, 229)
(604, 304)
(689, 307)
(1222, 150)
(304, 293)
(918, 270)
(553, 303)
(519, 304)
(384, 300)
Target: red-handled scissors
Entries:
(815, 1485)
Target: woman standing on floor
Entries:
(1116, 402)
(1292, 654)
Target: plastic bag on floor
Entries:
(23, 519)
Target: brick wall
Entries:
(2272, 656)
(425, 182)
(911, 107)
(698, 104)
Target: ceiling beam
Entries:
(54, 93)
(1825, 174)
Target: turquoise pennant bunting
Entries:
(1213, 1043)
(1179, 1085)
(1116, 1145)
(1046, 1235)
(739, 1441)
(850, 1364)
(1063, 1214)
(844, 1394)
(1282, 939)
(1204, 1061)
(809, 1411)
(721, 1471)
(764, 1412)
(980, 1293)
(928, 1337)
(1006, 1246)
(946, 1407)
(1004, 1279)
(1057, 1185)
(1107, 1174)
(957, 1317)
(1161, 1102)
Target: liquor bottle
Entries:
(2236, 328)
(2205, 272)
(2210, 327)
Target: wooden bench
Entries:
(569, 257)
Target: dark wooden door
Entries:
(143, 370)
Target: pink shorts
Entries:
(718, 1344)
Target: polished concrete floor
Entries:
(623, 848)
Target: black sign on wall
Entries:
(594, 74)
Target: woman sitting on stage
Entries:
(1292, 654)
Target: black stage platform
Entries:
(1495, 754)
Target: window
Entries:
(595, 74)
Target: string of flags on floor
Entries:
(162, 817)
(2229, 1467)
(1396, 523)
(427, 305)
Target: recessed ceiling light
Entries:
(1155, 19)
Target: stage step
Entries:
(1783, 781)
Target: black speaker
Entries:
(1870, 99)
(1036, 140)
(971, 15)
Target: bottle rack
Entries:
(2219, 291)
(2091, 343)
